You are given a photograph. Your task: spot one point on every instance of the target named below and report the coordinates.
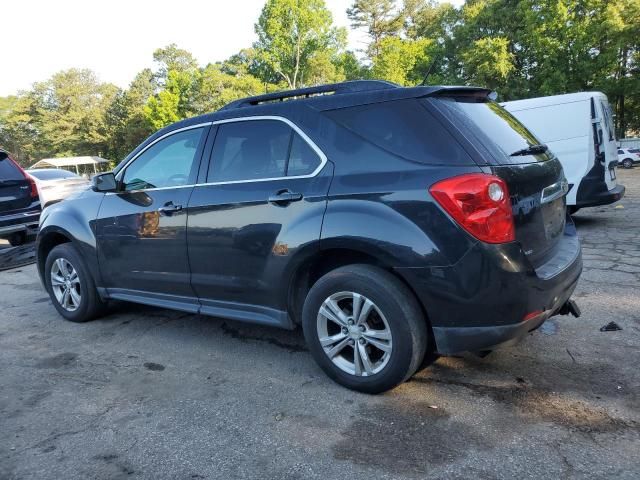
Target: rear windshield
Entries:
(52, 174)
(8, 171)
(498, 131)
(404, 128)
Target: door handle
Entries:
(169, 208)
(284, 197)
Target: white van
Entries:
(578, 128)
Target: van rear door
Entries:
(605, 138)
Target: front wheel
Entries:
(70, 285)
(364, 328)
(627, 163)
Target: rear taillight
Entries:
(480, 204)
(32, 183)
(34, 187)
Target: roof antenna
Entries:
(424, 80)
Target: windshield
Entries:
(495, 128)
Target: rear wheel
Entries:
(364, 328)
(70, 285)
(627, 163)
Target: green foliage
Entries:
(65, 115)
(488, 61)
(520, 48)
(217, 87)
(398, 58)
(296, 38)
(380, 18)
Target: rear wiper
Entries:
(530, 150)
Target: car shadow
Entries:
(11, 257)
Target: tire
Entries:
(627, 163)
(395, 314)
(17, 239)
(89, 305)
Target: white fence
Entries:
(630, 142)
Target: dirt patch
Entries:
(545, 406)
(406, 439)
(237, 334)
(58, 361)
(154, 367)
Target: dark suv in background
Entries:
(391, 223)
(19, 202)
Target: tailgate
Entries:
(14, 195)
(534, 177)
(538, 198)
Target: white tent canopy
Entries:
(70, 162)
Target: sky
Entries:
(116, 38)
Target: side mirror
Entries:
(3, 155)
(104, 182)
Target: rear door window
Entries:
(404, 128)
(495, 128)
(9, 172)
(259, 150)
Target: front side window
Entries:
(259, 149)
(171, 162)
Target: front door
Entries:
(141, 228)
(263, 204)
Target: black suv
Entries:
(391, 223)
(19, 202)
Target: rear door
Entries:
(262, 203)
(15, 188)
(536, 181)
(607, 140)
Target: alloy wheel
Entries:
(354, 334)
(65, 284)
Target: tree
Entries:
(397, 59)
(488, 62)
(290, 34)
(380, 19)
(177, 78)
(126, 117)
(217, 87)
(173, 58)
(65, 115)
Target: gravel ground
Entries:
(150, 393)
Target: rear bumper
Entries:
(592, 190)
(602, 197)
(19, 222)
(482, 301)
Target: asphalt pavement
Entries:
(151, 393)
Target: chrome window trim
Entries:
(305, 137)
(168, 134)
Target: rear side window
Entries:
(259, 149)
(9, 171)
(406, 129)
(495, 128)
